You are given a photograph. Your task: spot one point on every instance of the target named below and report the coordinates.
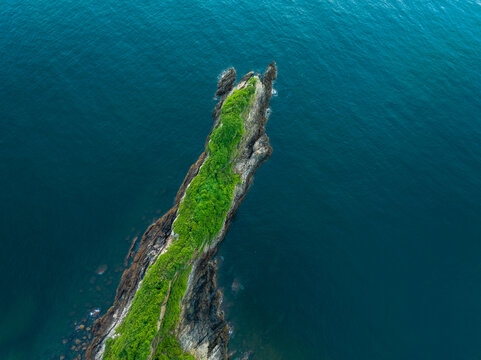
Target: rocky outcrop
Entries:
(202, 330)
(225, 84)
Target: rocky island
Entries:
(167, 305)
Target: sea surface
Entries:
(359, 239)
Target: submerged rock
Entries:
(101, 269)
(236, 286)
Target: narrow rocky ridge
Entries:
(202, 329)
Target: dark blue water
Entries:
(360, 236)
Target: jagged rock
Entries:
(246, 77)
(226, 83)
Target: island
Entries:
(167, 304)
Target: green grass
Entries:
(200, 217)
(169, 347)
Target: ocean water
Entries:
(360, 237)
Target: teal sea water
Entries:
(360, 238)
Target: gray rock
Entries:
(226, 83)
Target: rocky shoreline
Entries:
(201, 330)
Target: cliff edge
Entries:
(167, 305)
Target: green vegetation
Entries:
(169, 347)
(208, 197)
(200, 217)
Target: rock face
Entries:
(202, 330)
(226, 82)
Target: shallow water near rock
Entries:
(359, 238)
